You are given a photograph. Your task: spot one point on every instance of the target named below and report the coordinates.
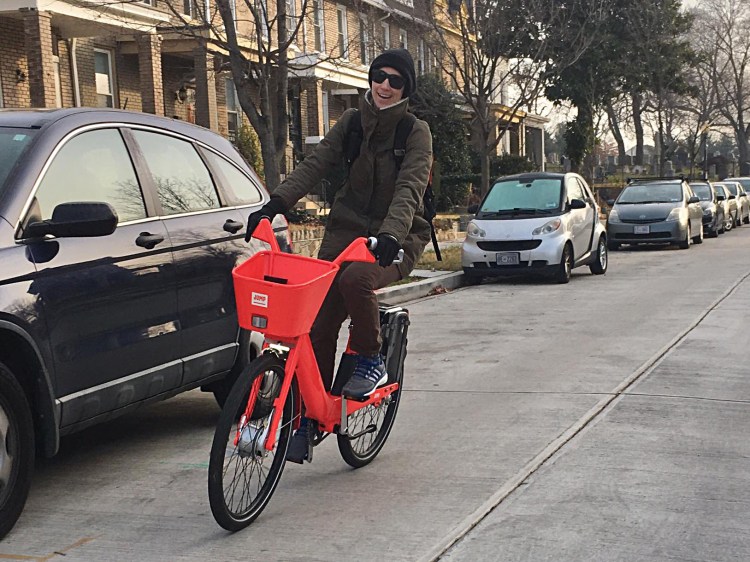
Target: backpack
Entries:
(353, 142)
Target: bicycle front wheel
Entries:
(242, 474)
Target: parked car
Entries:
(729, 202)
(714, 215)
(655, 211)
(743, 205)
(535, 223)
(745, 183)
(118, 234)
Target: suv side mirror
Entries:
(611, 202)
(693, 199)
(76, 220)
(743, 194)
(732, 197)
(720, 197)
(473, 209)
(577, 204)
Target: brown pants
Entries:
(352, 295)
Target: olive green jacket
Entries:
(376, 197)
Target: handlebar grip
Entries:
(372, 243)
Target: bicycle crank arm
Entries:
(372, 428)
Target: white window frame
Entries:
(326, 113)
(58, 84)
(403, 38)
(190, 12)
(149, 2)
(420, 57)
(364, 40)
(342, 31)
(319, 27)
(110, 68)
(291, 17)
(233, 99)
(386, 35)
(262, 7)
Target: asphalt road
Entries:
(605, 419)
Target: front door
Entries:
(110, 302)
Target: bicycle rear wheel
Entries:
(372, 424)
(242, 476)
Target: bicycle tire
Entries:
(361, 452)
(223, 488)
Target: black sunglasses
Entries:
(397, 82)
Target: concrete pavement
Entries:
(658, 470)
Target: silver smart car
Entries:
(535, 223)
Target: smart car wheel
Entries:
(562, 275)
(685, 244)
(599, 265)
(16, 449)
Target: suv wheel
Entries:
(16, 449)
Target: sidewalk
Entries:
(434, 282)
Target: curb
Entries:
(411, 291)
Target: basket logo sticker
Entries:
(259, 299)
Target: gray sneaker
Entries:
(369, 374)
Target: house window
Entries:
(105, 95)
(386, 36)
(318, 25)
(364, 42)
(420, 57)
(343, 36)
(291, 17)
(234, 119)
(149, 2)
(261, 7)
(402, 39)
(188, 8)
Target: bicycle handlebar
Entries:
(372, 243)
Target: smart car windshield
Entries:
(651, 193)
(523, 197)
(12, 144)
(702, 190)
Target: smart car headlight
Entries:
(473, 231)
(547, 228)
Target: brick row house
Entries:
(156, 56)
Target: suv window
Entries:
(12, 144)
(93, 166)
(238, 185)
(182, 180)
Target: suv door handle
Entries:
(233, 226)
(148, 240)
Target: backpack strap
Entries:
(403, 130)
(353, 139)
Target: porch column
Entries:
(149, 68)
(206, 114)
(39, 53)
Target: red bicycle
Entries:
(280, 295)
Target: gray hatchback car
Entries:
(663, 211)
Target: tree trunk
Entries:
(743, 143)
(615, 128)
(638, 126)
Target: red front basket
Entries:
(292, 286)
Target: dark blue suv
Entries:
(118, 234)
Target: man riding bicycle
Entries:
(378, 198)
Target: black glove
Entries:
(387, 249)
(274, 207)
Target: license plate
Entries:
(507, 258)
(641, 229)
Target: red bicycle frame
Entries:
(328, 410)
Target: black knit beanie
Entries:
(401, 60)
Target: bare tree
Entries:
(727, 22)
(498, 55)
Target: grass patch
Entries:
(451, 259)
